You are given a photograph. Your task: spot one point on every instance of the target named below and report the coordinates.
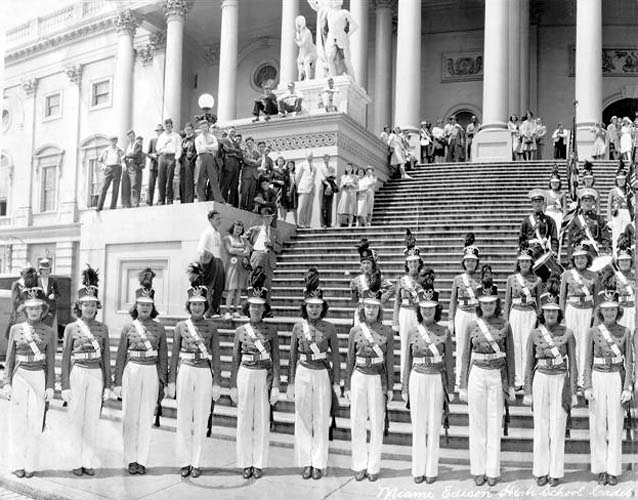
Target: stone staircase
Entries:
(440, 205)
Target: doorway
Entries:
(624, 107)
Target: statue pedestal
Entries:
(492, 145)
(352, 99)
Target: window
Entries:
(94, 183)
(5, 169)
(91, 149)
(49, 187)
(101, 93)
(5, 259)
(6, 119)
(53, 106)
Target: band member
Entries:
(463, 301)
(588, 182)
(625, 281)
(255, 368)
(589, 225)
(538, 228)
(27, 275)
(406, 295)
(29, 379)
(141, 372)
(368, 382)
(314, 367)
(86, 373)
(487, 378)
(579, 288)
(522, 301)
(550, 386)
(618, 206)
(608, 382)
(195, 374)
(428, 380)
(555, 200)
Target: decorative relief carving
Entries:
(615, 61)
(125, 22)
(176, 8)
(211, 54)
(74, 73)
(305, 141)
(29, 85)
(156, 42)
(458, 66)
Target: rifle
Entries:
(44, 416)
(158, 406)
(209, 425)
(334, 405)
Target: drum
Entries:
(546, 265)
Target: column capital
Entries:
(125, 22)
(29, 85)
(74, 73)
(176, 8)
(229, 3)
(385, 4)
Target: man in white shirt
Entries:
(209, 249)
(290, 102)
(110, 161)
(169, 149)
(207, 148)
(560, 138)
(264, 240)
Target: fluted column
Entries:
(288, 53)
(227, 90)
(407, 99)
(514, 65)
(69, 197)
(382, 102)
(359, 41)
(524, 56)
(125, 26)
(175, 12)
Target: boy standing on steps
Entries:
(538, 228)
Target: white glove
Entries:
(574, 400)
(170, 390)
(589, 395)
(48, 395)
(527, 400)
(290, 392)
(463, 395)
(107, 394)
(117, 392)
(274, 395)
(511, 394)
(450, 326)
(337, 389)
(7, 391)
(404, 396)
(217, 392)
(66, 395)
(51, 296)
(234, 395)
(395, 329)
(390, 394)
(346, 393)
(625, 397)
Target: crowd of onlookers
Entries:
(618, 140)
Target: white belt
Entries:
(249, 358)
(363, 361)
(521, 301)
(407, 303)
(86, 355)
(599, 361)
(478, 356)
(550, 362)
(427, 360)
(30, 358)
(624, 299)
(313, 357)
(194, 356)
(466, 301)
(152, 353)
(576, 299)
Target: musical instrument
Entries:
(601, 262)
(544, 262)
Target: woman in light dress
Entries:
(347, 207)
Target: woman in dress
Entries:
(522, 301)
(428, 380)
(487, 378)
(254, 380)
(141, 373)
(195, 374)
(289, 197)
(313, 378)
(463, 302)
(362, 197)
(608, 381)
(86, 373)
(618, 206)
(369, 380)
(550, 386)
(398, 156)
(599, 149)
(237, 268)
(278, 181)
(29, 378)
(372, 187)
(528, 137)
(625, 280)
(513, 127)
(626, 144)
(347, 207)
(555, 201)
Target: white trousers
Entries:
(617, 225)
(366, 402)
(313, 397)
(579, 322)
(253, 418)
(407, 322)
(462, 319)
(26, 414)
(628, 319)
(140, 388)
(426, 407)
(84, 412)
(549, 425)
(522, 322)
(304, 210)
(485, 408)
(606, 416)
(194, 390)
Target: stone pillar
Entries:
(382, 101)
(18, 256)
(68, 212)
(65, 259)
(125, 25)
(359, 41)
(289, 50)
(589, 73)
(407, 97)
(23, 200)
(175, 12)
(514, 61)
(524, 56)
(229, 39)
(493, 142)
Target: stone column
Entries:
(407, 98)
(229, 39)
(175, 12)
(524, 56)
(288, 54)
(382, 101)
(359, 41)
(125, 26)
(71, 175)
(493, 143)
(514, 61)
(23, 200)
(589, 73)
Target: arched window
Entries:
(6, 176)
(90, 151)
(48, 161)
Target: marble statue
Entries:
(341, 26)
(307, 50)
(321, 64)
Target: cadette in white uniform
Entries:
(555, 203)
(625, 282)
(29, 380)
(618, 216)
(370, 278)
(313, 369)
(86, 374)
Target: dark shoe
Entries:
(307, 472)
(185, 471)
(89, 471)
(196, 472)
(553, 481)
(479, 480)
(360, 475)
(419, 479)
(430, 480)
(491, 481)
(257, 473)
(373, 477)
(140, 468)
(247, 472)
(19, 473)
(29, 474)
(541, 480)
(132, 468)
(317, 474)
(602, 478)
(78, 471)
(612, 480)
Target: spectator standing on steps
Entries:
(152, 155)
(209, 249)
(560, 137)
(249, 174)
(132, 177)
(237, 268)
(398, 147)
(188, 157)
(289, 195)
(208, 161)
(305, 182)
(347, 207)
(328, 190)
(110, 161)
(169, 150)
(232, 160)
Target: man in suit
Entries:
(50, 287)
(266, 164)
(265, 244)
(233, 156)
(249, 174)
(132, 177)
(152, 155)
(209, 250)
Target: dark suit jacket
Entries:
(135, 159)
(546, 228)
(152, 150)
(52, 288)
